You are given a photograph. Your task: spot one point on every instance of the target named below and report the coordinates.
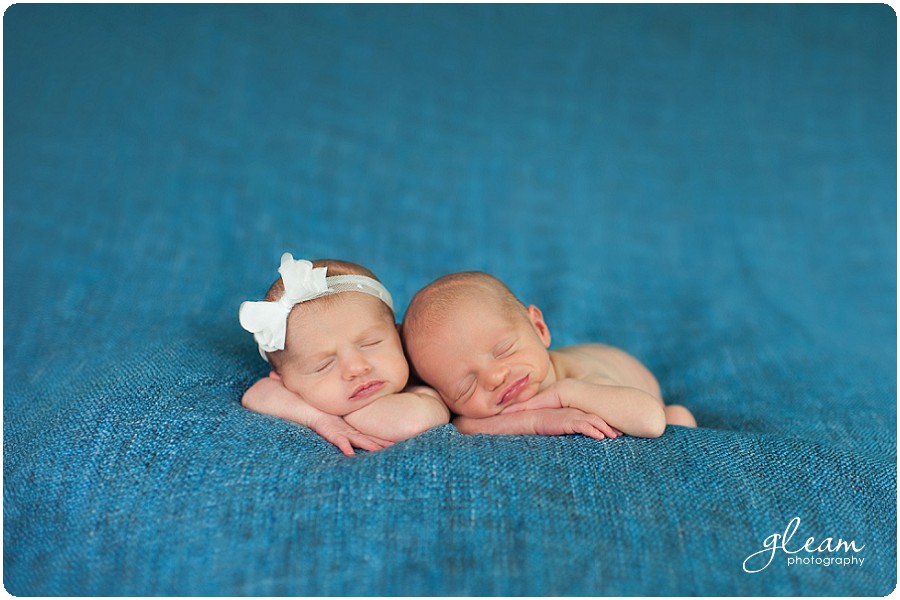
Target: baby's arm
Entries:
(400, 416)
(630, 410)
(548, 421)
(269, 396)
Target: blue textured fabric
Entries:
(712, 188)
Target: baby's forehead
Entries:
(356, 311)
(485, 311)
(466, 327)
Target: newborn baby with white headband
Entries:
(328, 330)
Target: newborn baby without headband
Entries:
(267, 321)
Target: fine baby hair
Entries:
(431, 303)
(309, 283)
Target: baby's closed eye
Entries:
(505, 349)
(466, 389)
(323, 366)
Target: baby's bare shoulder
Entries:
(600, 362)
(581, 358)
(593, 352)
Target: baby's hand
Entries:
(566, 421)
(547, 398)
(340, 433)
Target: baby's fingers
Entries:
(604, 427)
(346, 442)
(589, 430)
(549, 398)
(370, 442)
(343, 445)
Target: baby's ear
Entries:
(275, 376)
(537, 321)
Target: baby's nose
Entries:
(496, 377)
(356, 366)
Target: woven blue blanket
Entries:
(711, 188)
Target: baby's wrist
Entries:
(311, 420)
(564, 392)
(316, 418)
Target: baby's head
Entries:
(474, 342)
(332, 337)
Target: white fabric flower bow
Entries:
(267, 321)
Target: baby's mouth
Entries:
(510, 393)
(366, 389)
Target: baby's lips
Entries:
(511, 392)
(366, 388)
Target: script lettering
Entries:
(776, 542)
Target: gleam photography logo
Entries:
(826, 553)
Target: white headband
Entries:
(267, 321)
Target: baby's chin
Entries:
(388, 389)
(475, 414)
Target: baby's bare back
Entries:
(599, 363)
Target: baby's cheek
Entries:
(474, 407)
(449, 404)
(315, 394)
